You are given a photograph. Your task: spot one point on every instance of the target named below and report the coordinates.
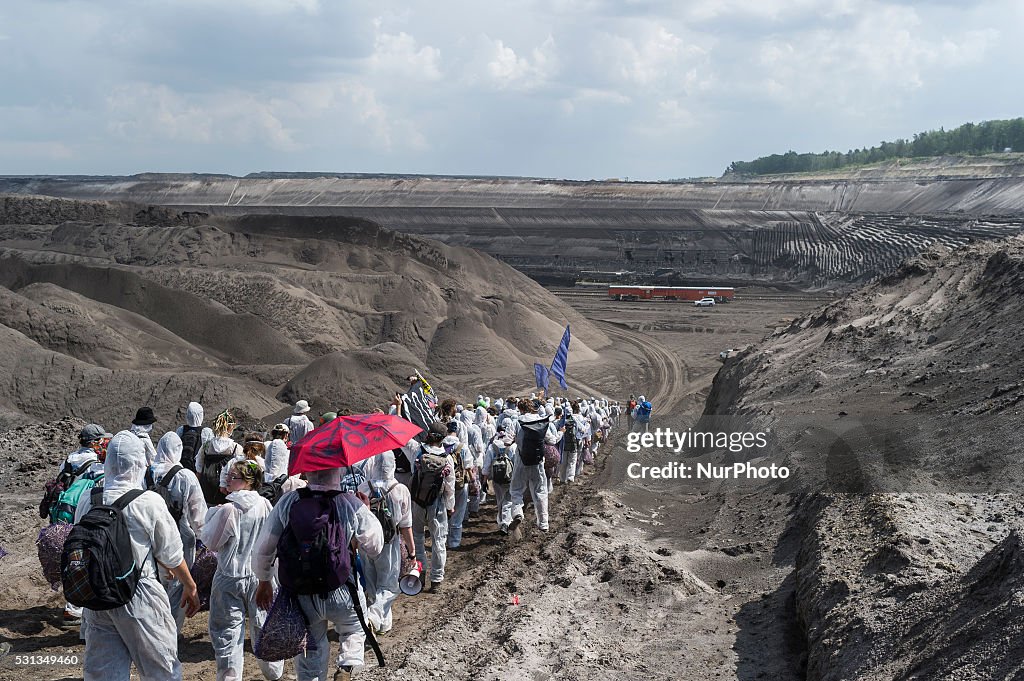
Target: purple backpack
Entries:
(313, 551)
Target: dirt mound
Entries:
(104, 316)
(904, 393)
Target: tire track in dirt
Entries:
(668, 373)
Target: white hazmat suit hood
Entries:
(168, 454)
(125, 466)
(381, 467)
(194, 415)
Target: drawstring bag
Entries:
(588, 455)
(285, 632)
(50, 544)
(202, 573)
(552, 457)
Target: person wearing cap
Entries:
(84, 462)
(298, 423)
(142, 426)
(436, 515)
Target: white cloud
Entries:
(145, 111)
(399, 55)
(507, 69)
(580, 87)
(655, 59)
(887, 51)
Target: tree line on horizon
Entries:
(968, 139)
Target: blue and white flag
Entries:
(540, 373)
(560, 360)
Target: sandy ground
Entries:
(631, 583)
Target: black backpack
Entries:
(382, 509)
(209, 477)
(502, 466)
(271, 491)
(191, 441)
(97, 566)
(160, 487)
(427, 478)
(569, 437)
(532, 452)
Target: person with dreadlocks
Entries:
(214, 457)
(231, 530)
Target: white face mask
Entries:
(142, 429)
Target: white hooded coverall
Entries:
(142, 631)
(184, 489)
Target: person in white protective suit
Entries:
(277, 466)
(455, 448)
(142, 426)
(383, 572)
(252, 450)
(298, 423)
(221, 445)
(596, 424)
(185, 492)
(503, 442)
(194, 416)
(477, 445)
(142, 631)
(530, 478)
(364, 531)
(435, 516)
(572, 451)
(231, 530)
(485, 422)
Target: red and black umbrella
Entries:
(348, 440)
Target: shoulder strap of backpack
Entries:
(75, 472)
(166, 480)
(388, 490)
(127, 498)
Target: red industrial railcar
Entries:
(720, 294)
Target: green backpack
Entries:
(64, 510)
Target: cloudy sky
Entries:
(645, 89)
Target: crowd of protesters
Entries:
(227, 495)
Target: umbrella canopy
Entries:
(348, 440)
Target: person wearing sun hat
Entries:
(298, 423)
(142, 426)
